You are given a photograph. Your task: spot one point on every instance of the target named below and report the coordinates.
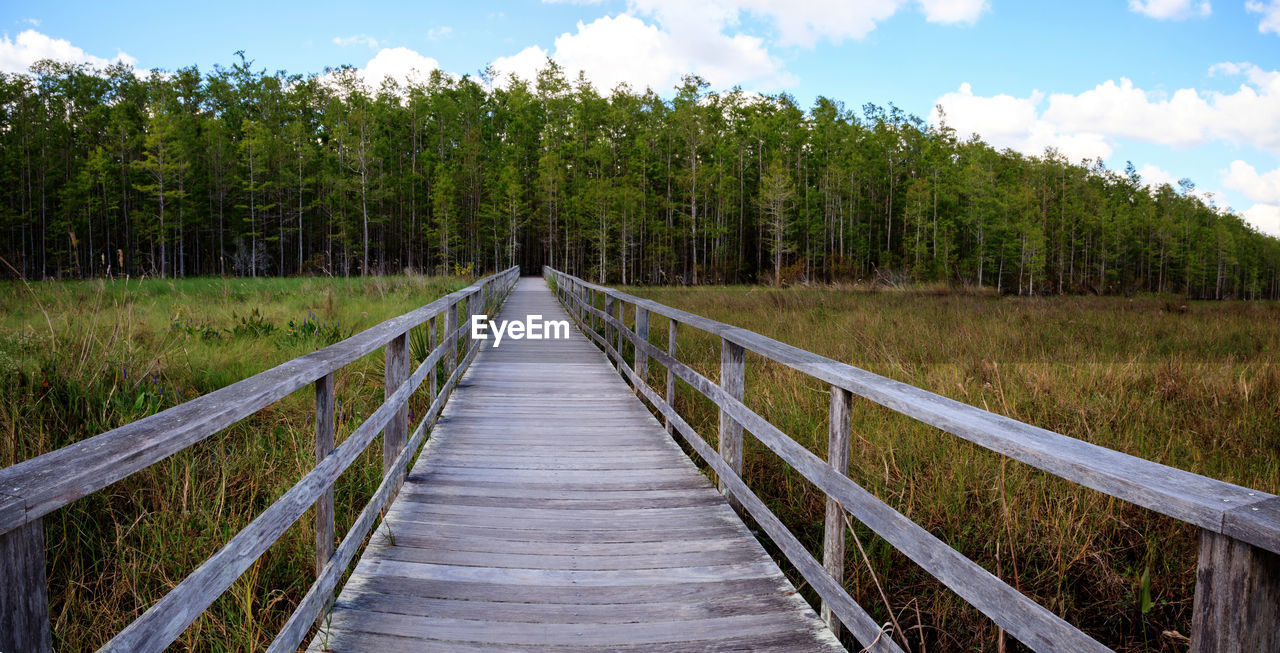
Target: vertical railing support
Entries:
(641, 360)
(1237, 603)
(394, 374)
(833, 528)
(620, 307)
(608, 328)
(451, 351)
(733, 380)
(24, 593)
(432, 324)
(324, 447)
(672, 328)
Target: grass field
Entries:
(1193, 386)
(80, 358)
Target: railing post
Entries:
(450, 325)
(394, 374)
(431, 347)
(24, 593)
(733, 381)
(324, 447)
(641, 360)
(672, 327)
(608, 328)
(620, 307)
(1237, 603)
(833, 530)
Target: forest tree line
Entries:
(241, 172)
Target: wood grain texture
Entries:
(733, 379)
(324, 447)
(24, 594)
(394, 371)
(1026, 620)
(550, 508)
(1205, 502)
(1237, 603)
(35, 487)
(833, 524)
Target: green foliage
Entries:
(238, 172)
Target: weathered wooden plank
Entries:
(395, 369)
(1237, 601)
(313, 605)
(833, 523)
(342, 640)
(563, 561)
(1026, 620)
(35, 487)
(672, 332)
(551, 634)
(24, 594)
(1192, 498)
(324, 447)
(733, 380)
(641, 360)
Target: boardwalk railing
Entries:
(1237, 596)
(36, 487)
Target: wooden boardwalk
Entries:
(550, 509)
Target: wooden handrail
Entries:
(1235, 578)
(31, 489)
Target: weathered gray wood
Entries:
(547, 484)
(1023, 618)
(1237, 602)
(608, 326)
(432, 326)
(641, 359)
(1202, 501)
(324, 447)
(733, 380)
(169, 617)
(314, 605)
(395, 370)
(35, 487)
(447, 338)
(673, 328)
(24, 594)
(833, 524)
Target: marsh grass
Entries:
(81, 358)
(1192, 386)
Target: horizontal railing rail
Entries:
(1238, 577)
(33, 488)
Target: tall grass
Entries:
(81, 358)
(1192, 386)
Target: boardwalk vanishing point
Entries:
(550, 508)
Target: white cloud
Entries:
(1258, 187)
(34, 22)
(1089, 123)
(802, 23)
(1155, 176)
(1012, 122)
(623, 48)
(437, 33)
(964, 12)
(1270, 11)
(17, 54)
(401, 64)
(357, 39)
(1171, 9)
(1265, 217)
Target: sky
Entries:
(1181, 88)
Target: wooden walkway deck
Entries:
(550, 509)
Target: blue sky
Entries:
(1183, 88)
